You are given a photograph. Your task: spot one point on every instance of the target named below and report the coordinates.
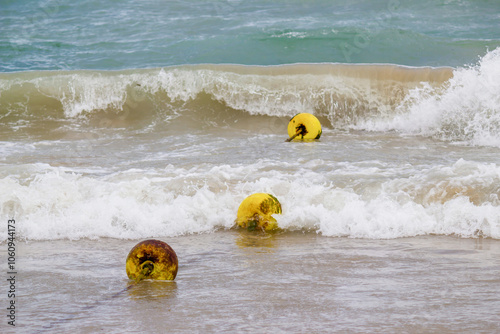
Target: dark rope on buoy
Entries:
(301, 130)
(292, 137)
(147, 268)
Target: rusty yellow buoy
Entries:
(152, 259)
(304, 126)
(255, 212)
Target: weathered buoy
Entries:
(152, 259)
(304, 126)
(255, 212)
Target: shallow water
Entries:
(373, 185)
(286, 282)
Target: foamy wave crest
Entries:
(467, 109)
(462, 199)
(55, 203)
(59, 204)
(342, 93)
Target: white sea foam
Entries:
(467, 109)
(55, 203)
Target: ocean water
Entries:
(126, 120)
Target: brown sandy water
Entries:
(234, 281)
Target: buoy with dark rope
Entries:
(149, 259)
(304, 126)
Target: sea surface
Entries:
(128, 120)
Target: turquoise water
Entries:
(125, 34)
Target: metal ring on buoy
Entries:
(255, 212)
(304, 126)
(152, 259)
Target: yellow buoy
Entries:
(152, 259)
(304, 126)
(255, 212)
